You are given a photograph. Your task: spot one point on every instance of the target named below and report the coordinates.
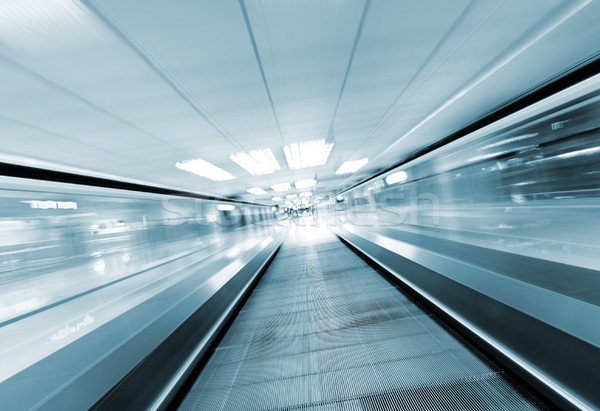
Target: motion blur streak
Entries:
(71, 262)
(530, 189)
(509, 212)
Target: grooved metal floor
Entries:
(323, 330)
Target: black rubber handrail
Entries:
(42, 174)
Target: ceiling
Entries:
(126, 89)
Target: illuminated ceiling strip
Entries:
(398, 177)
(352, 166)
(306, 154)
(281, 187)
(308, 183)
(256, 162)
(204, 169)
(256, 191)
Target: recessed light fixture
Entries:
(291, 196)
(281, 187)
(308, 183)
(307, 154)
(398, 177)
(352, 166)
(256, 162)
(277, 198)
(306, 194)
(204, 169)
(225, 207)
(256, 191)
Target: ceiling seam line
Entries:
(116, 28)
(560, 82)
(59, 135)
(391, 108)
(260, 66)
(513, 50)
(57, 87)
(349, 66)
(539, 30)
(415, 89)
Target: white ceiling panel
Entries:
(204, 48)
(129, 88)
(305, 48)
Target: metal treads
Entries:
(323, 330)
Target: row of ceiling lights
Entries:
(390, 179)
(306, 154)
(282, 187)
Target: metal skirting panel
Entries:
(559, 365)
(323, 330)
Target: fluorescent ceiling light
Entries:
(277, 199)
(225, 207)
(256, 191)
(398, 177)
(311, 182)
(307, 154)
(204, 169)
(306, 194)
(281, 187)
(256, 162)
(352, 166)
(291, 196)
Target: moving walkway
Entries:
(325, 330)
